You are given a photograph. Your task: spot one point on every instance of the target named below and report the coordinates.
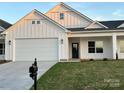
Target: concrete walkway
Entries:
(15, 75)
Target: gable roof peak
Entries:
(41, 14)
(61, 3)
(34, 10)
(72, 9)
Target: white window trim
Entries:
(61, 18)
(95, 46)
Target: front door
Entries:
(75, 50)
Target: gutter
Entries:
(100, 31)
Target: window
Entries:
(2, 49)
(99, 47)
(61, 15)
(121, 46)
(38, 22)
(95, 47)
(91, 47)
(33, 22)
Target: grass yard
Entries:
(84, 75)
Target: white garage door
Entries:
(42, 49)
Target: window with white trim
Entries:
(95, 46)
(91, 47)
(2, 49)
(121, 46)
(61, 15)
(36, 22)
(33, 22)
(99, 47)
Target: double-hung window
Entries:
(99, 47)
(121, 46)
(91, 47)
(95, 47)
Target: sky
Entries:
(101, 11)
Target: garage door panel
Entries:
(42, 49)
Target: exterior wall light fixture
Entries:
(9, 42)
(61, 41)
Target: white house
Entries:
(62, 34)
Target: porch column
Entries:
(114, 46)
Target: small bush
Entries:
(105, 59)
(91, 59)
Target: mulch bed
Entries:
(3, 61)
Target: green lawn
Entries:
(84, 75)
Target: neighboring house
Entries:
(3, 26)
(62, 34)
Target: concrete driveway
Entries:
(15, 75)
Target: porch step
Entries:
(74, 60)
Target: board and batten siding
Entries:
(25, 29)
(71, 19)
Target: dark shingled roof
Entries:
(4, 24)
(76, 29)
(93, 29)
(112, 24)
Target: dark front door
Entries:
(75, 50)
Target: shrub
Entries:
(91, 59)
(105, 59)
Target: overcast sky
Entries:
(12, 12)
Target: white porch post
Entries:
(114, 46)
(67, 49)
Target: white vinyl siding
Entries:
(71, 19)
(25, 29)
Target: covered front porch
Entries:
(96, 46)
